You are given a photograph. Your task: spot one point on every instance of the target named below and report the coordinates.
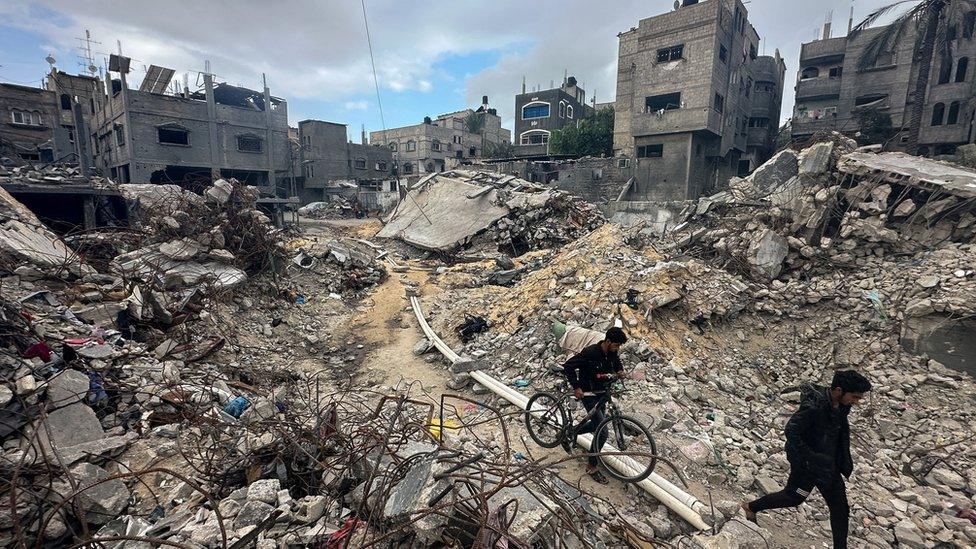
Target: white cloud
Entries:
(356, 105)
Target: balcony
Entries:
(818, 88)
(821, 50)
(674, 121)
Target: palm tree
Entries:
(931, 21)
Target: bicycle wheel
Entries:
(546, 419)
(626, 434)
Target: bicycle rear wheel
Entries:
(546, 419)
(627, 435)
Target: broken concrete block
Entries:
(220, 191)
(815, 160)
(68, 387)
(466, 364)
(904, 208)
(265, 490)
(100, 502)
(766, 254)
(776, 171)
(422, 347)
(181, 250)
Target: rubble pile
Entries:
(488, 212)
(814, 263)
(344, 265)
(337, 207)
(54, 174)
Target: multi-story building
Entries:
(539, 113)
(328, 156)
(834, 93)
(151, 136)
(30, 128)
(696, 103)
(89, 93)
(440, 144)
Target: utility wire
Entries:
(372, 61)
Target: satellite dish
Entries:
(677, 4)
(50, 60)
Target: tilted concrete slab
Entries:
(439, 215)
(915, 171)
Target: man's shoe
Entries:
(598, 476)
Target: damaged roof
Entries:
(916, 171)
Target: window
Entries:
(65, 102)
(650, 151)
(945, 72)
(748, 86)
(533, 137)
(952, 33)
(26, 118)
(91, 101)
(623, 163)
(360, 164)
(753, 53)
(309, 169)
(674, 53)
(174, 135)
(411, 145)
(969, 24)
(473, 151)
(665, 102)
(435, 145)
(249, 143)
(381, 167)
(562, 109)
(953, 116)
(758, 122)
(408, 168)
(766, 86)
(719, 102)
(836, 72)
(393, 145)
(809, 72)
(119, 135)
(938, 114)
(569, 111)
(535, 110)
(71, 135)
(723, 54)
(18, 117)
(961, 69)
(872, 100)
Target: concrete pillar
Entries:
(212, 127)
(88, 204)
(272, 181)
(81, 139)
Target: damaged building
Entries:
(833, 92)
(539, 113)
(328, 157)
(30, 130)
(440, 144)
(150, 135)
(696, 103)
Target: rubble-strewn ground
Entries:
(207, 380)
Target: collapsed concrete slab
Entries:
(904, 169)
(438, 215)
(24, 238)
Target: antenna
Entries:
(850, 22)
(87, 59)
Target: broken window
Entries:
(719, 102)
(535, 110)
(809, 72)
(953, 116)
(758, 122)
(473, 151)
(435, 145)
(249, 143)
(173, 135)
(119, 135)
(360, 164)
(533, 137)
(723, 54)
(65, 102)
(650, 151)
(766, 86)
(411, 145)
(408, 168)
(381, 166)
(664, 102)
(393, 145)
(961, 69)
(672, 53)
(945, 71)
(872, 100)
(836, 72)
(938, 114)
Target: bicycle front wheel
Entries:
(546, 419)
(627, 435)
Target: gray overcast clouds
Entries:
(316, 50)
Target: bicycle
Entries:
(550, 425)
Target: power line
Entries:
(372, 61)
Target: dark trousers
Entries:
(590, 425)
(798, 487)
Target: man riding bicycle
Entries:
(589, 373)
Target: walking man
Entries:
(818, 447)
(589, 373)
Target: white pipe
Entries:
(684, 504)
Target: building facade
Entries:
(328, 156)
(539, 114)
(30, 129)
(443, 143)
(192, 138)
(89, 94)
(696, 104)
(833, 93)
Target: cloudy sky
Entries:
(431, 57)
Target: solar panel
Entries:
(156, 80)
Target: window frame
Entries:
(718, 102)
(173, 128)
(411, 146)
(536, 104)
(952, 113)
(665, 99)
(962, 66)
(671, 53)
(435, 145)
(525, 138)
(650, 150)
(119, 131)
(569, 111)
(938, 114)
(359, 163)
(240, 138)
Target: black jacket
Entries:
(582, 369)
(807, 433)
